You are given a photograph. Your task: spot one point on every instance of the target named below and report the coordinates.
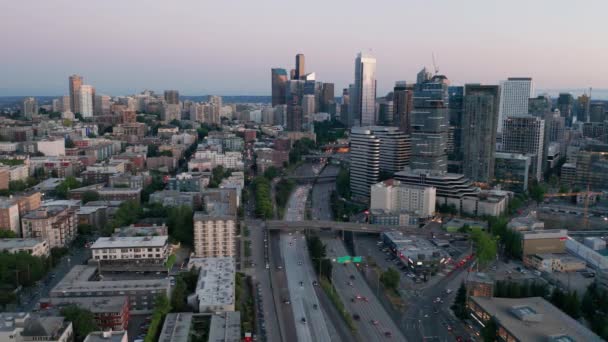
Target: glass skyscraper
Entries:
(364, 96)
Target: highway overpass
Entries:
(346, 226)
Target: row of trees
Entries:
(283, 190)
(19, 269)
(485, 245)
(510, 240)
(263, 198)
(594, 308)
(318, 255)
(390, 278)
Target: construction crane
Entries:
(587, 195)
(435, 65)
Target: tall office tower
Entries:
(278, 79)
(344, 104)
(300, 67)
(292, 74)
(423, 76)
(525, 134)
(514, 95)
(308, 110)
(555, 126)
(172, 97)
(597, 112)
(480, 118)
(64, 104)
(364, 96)
(280, 115)
(403, 102)
(364, 161)
(293, 98)
(539, 106)
(385, 111)
(327, 100)
(85, 99)
(29, 107)
(429, 131)
(102, 105)
(582, 108)
(395, 148)
(455, 108)
(352, 119)
(75, 83)
(565, 104)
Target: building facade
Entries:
(214, 236)
(515, 93)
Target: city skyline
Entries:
(190, 53)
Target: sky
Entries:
(227, 47)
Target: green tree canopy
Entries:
(390, 278)
(82, 320)
(69, 183)
(89, 196)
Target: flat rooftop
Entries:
(108, 336)
(81, 280)
(215, 285)
(94, 304)
(225, 327)
(176, 327)
(18, 243)
(534, 319)
(130, 242)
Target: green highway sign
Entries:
(357, 259)
(344, 259)
(348, 258)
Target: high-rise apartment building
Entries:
(300, 67)
(29, 107)
(172, 97)
(214, 236)
(565, 104)
(393, 196)
(85, 99)
(56, 224)
(75, 83)
(102, 105)
(455, 108)
(376, 149)
(539, 106)
(480, 118)
(403, 103)
(429, 129)
(514, 95)
(525, 134)
(364, 95)
(597, 112)
(308, 110)
(327, 101)
(64, 104)
(278, 79)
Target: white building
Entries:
(51, 148)
(86, 100)
(229, 160)
(393, 196)
(214, 236)
(35, 247)
(215, 286)
(131, 247)
(514, 95)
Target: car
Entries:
(267, 266)
(279, 267)
(365, 299)
(349, 283)
(450, 328)
(374, 322)
(300, 263)
(303, 320)
(315, 306)
(352, 277)
(286, 301)
(388, 334)
(448, 291)
(356, 317)
(301, 283)
(315, 283)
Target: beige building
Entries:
(131, 253)
(544, 241)
(214, 235)
(393, 196)
(35, 247)
(9, 215)
(56, 224)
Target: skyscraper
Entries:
(75, 83)
(344, 105)
(308, 110)
(364, 96)
(385, 111)
(539, 106)
(172, 97)
(480, 118)
(455, 108)
(29, 107)
(403, 103)
(300, 71)
(525, 134)
(85, 99)
(429, 130)
(327, 102)
(565, 104)
(364, 161)
(278, 79)
(102, 105)
(514, 95)
(597, 112)
(582, 108)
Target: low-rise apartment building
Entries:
(35, 247)
(132, 253)
(214, 236)
(55, 224)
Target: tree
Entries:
(83, 321)
(69, 183)
(459, 306)
(271, 173)
(537, 192)
(166, 153)
(390, 278)
(485, 245)
(343, 183)
(179, 295)
(89, 196)
(181, 225)
(69, 143)
(490, 330)
(128, 212)
(7, 234)
(161, 308)
(17, 185)
(85, 229)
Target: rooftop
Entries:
(130, 241)
(45, 212)
(106, 336)
(534, 319)
(18, 243)
(225, 327)
(215, 285)
(176, 327)
(94, 304)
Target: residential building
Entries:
(393, 196)
(29, 107)
(35, 247)
(173, 198)
(172, 97)
(133, 253)
(479, 124)
(215, 285)
(525, 134)
(9, 215)
(551, 262)
(55, 224)
(591, 166)
(51, 147)
(515, 93)
(363, 98)
(214, 236)
(110, 312)
(528, 319)
(102, 105)
(365, 161)
(83, 281)
(107, 336)
(85, 99)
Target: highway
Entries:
(310, 323)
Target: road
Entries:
(374, 323)
(310, 322)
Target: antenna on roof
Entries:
(435, 64)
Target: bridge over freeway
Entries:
(308, 179)
(346, 226)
